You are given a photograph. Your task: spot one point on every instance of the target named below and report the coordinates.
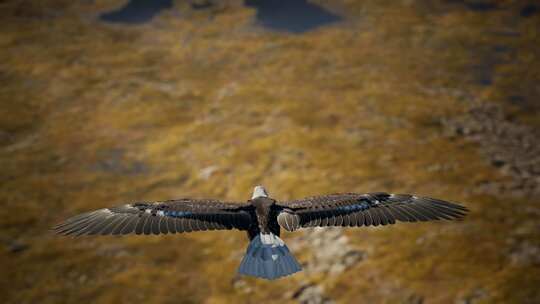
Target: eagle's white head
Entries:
(259, 191)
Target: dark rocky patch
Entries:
(479, 6)
(529, 10)
(113, 161)
(296, 16)
(137, 11)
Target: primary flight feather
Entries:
(267, 256)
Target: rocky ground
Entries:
(507, 145)
(512, 147)
(437, 98)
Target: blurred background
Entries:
(108, 102)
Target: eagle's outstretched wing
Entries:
(183, 215)
(355, 209)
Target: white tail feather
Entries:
(268, 257)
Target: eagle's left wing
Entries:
(357, 209)
(182, 215)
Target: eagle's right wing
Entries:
(358, 209)
(183, 215)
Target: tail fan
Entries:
(268, 257)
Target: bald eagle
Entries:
(261, 217)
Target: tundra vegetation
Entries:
(438, 98)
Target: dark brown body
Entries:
(266, 215)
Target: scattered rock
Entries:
(207, 172)
(82, 279)
(241, 285)
(227, 90)
(201, 4)
(415, 299)
(114, 161)
(474, 297)
(331, 252)
(311, 294)
(526, 254)
(14, 246)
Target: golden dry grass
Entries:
(94, 115)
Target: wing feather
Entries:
(317, 220)
(390, 219)
(118, 229)
(410, 217)
(416, 215)
(339, 220)
(353, 221)
(163, 225)
(179, 225)
(170, 225)
(116, 219)
(375, 216)
(382, 215)
(130, 226)
(147, 228)
(346, 221)
(67, 228)
(154, 225)
(368, 220)
(140, 224)
(186, 224)
(398, 215)
(359, 218)
(331, 221)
